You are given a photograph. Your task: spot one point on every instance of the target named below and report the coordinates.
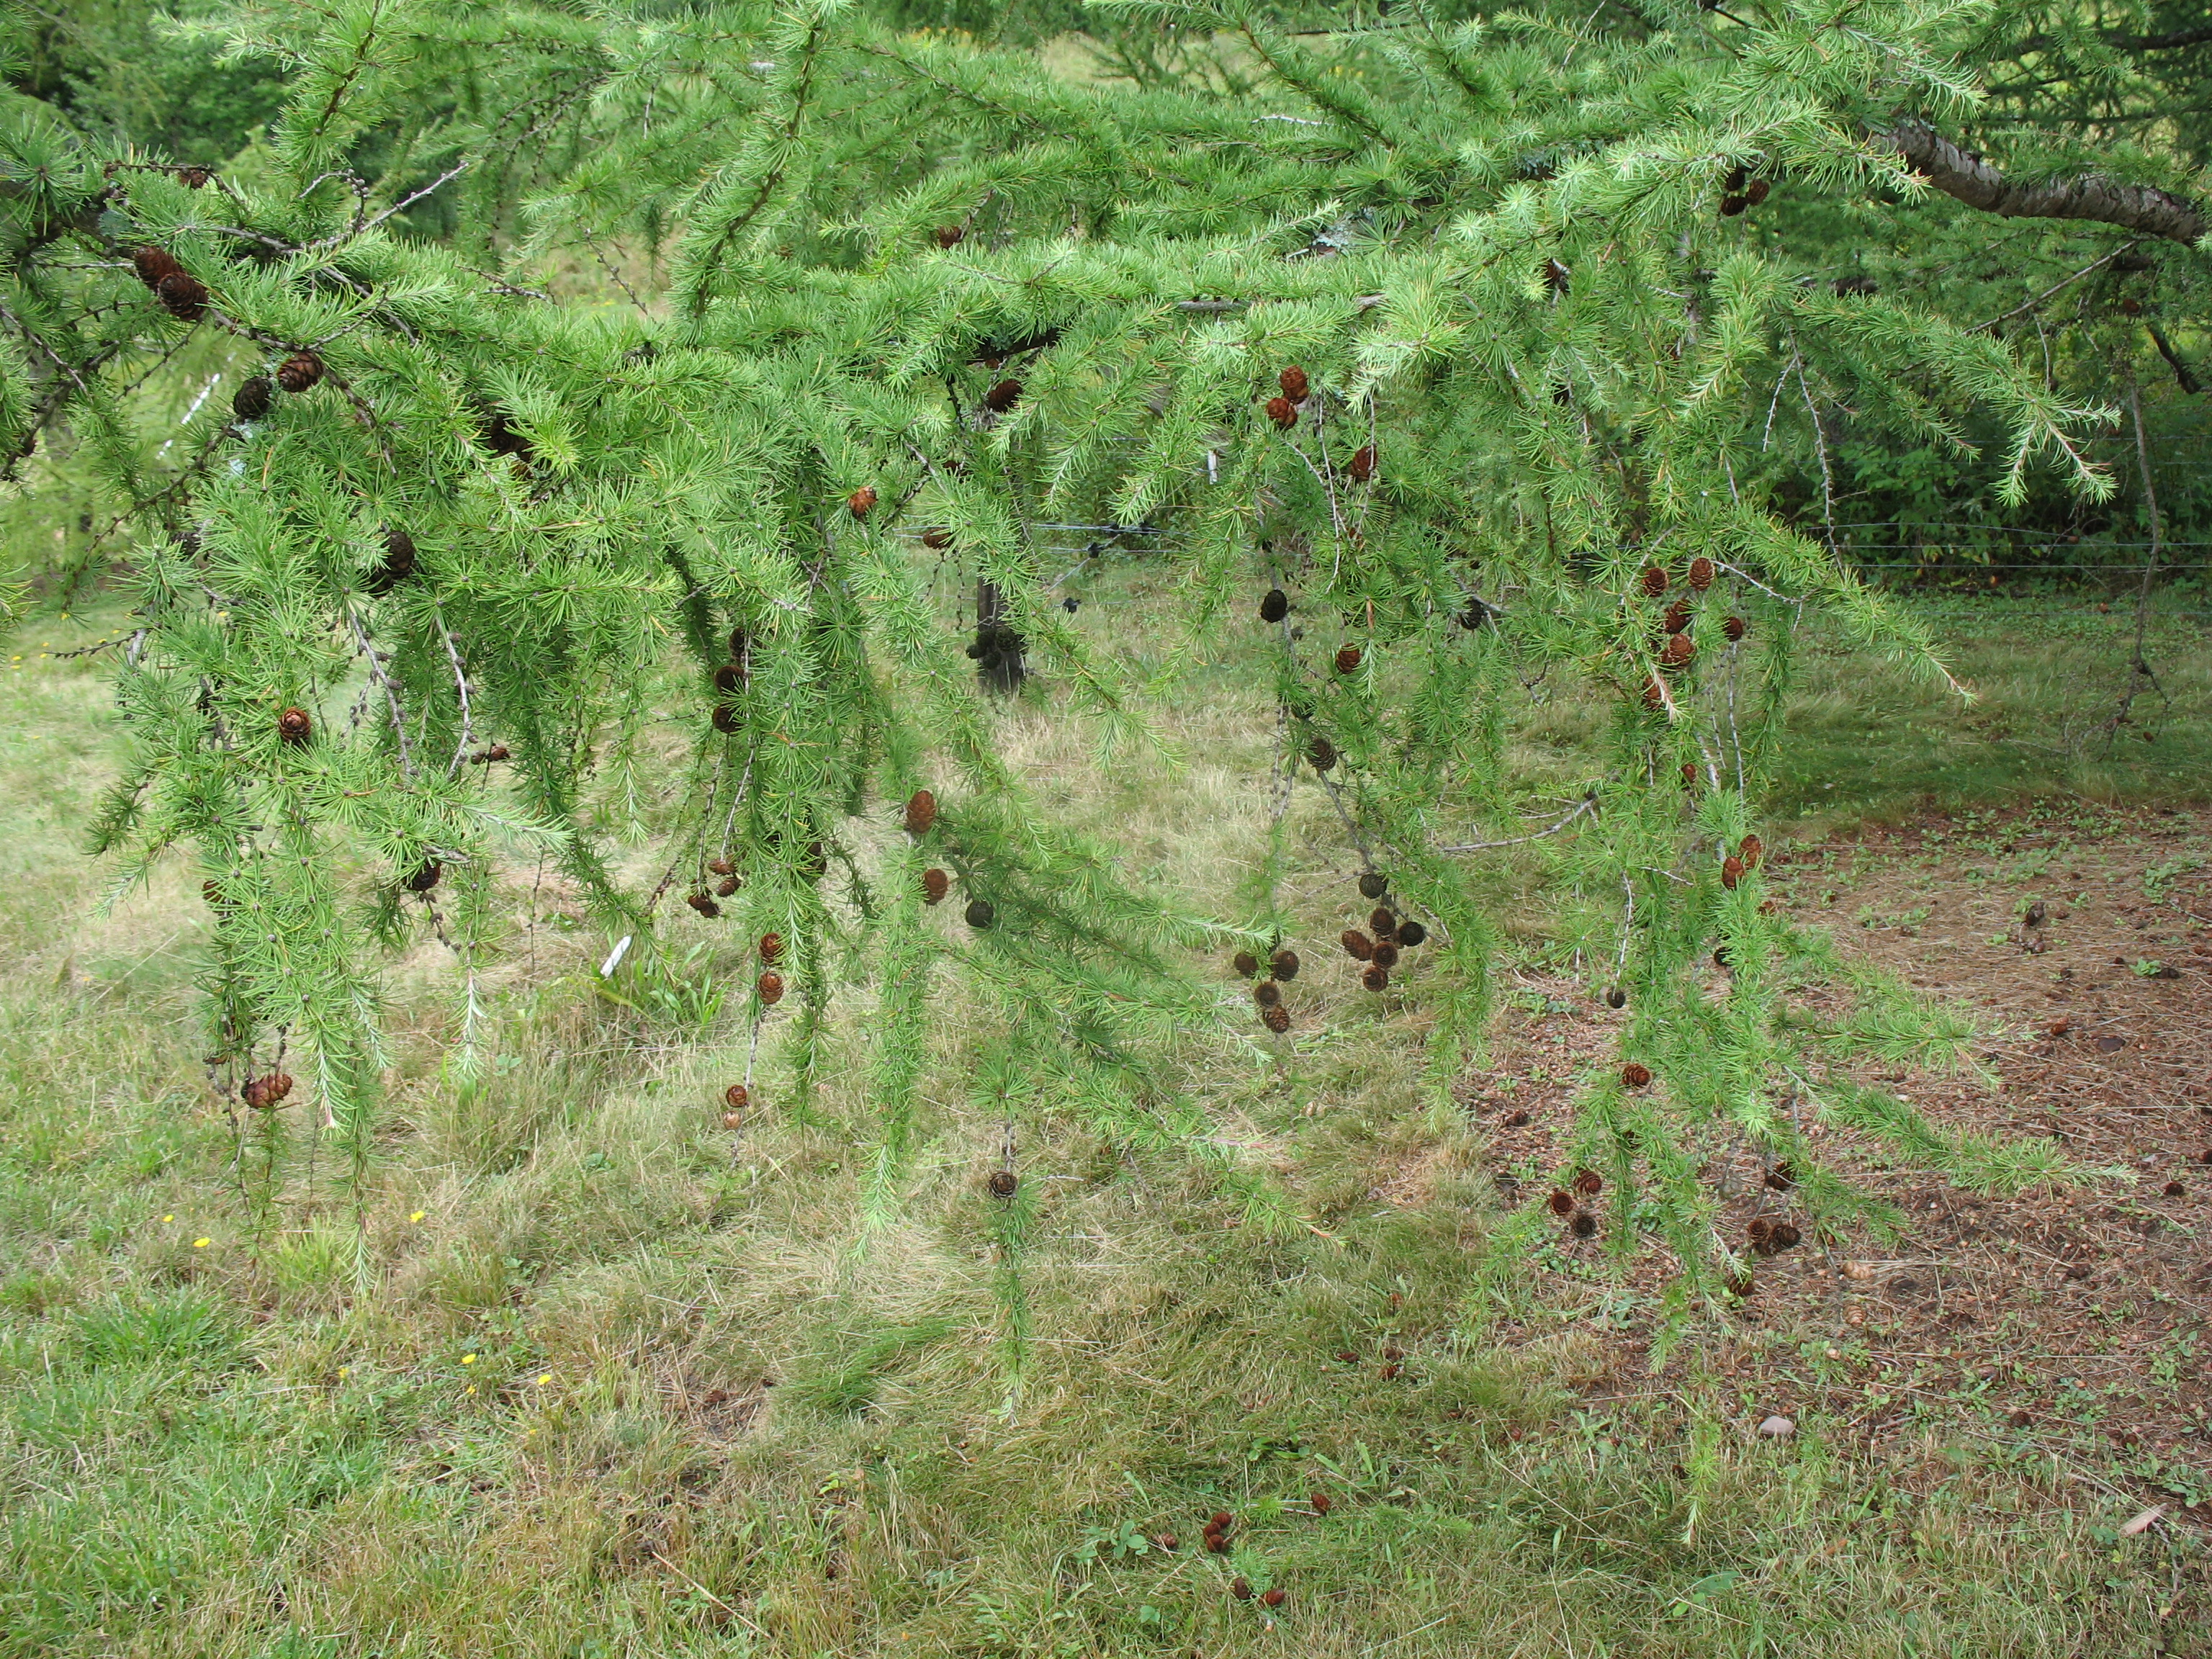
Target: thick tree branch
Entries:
(2140, 208)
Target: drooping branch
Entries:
(2140, 207)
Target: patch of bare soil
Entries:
(2068, 1322)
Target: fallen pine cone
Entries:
(1240, 1588)
(1583, 1224)
(1284, 965)
(1266, 993)
(1410, 934)
(1358, 945)
(1274, 1598)
(1003, 1184)
(1377, 977)
(1636, 1074)
(1321, 1503)
(1245, 963)
(1588, 1184)
(1561, 1201)
(1386, 954)
(1383, 921)
(1276, 1019)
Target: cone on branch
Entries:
(1245, 963)
(1266, 993)
(1348, 659)
(1410, 934)
(920, 813)
(951, 236)
(1362, 467)
(152, 263)
(1284, 965)
(727, 887)
(770, 988)
(703, 904)
(1751, 852)
(267, 1092)
(1679, 649)
(1678, 616)
(1003, 1184)
(1701, 573)
(1376, 976)
(861, 501)
(736, 1097)
(1731, 872)
(1386, 954)
(1283, 413)
(1383, 921)
(1276, 1019)
(1003, 396)
(937, 538)
(1655, 580)
(935, 884)
(723, 720)
(1733, 628)
(981, 914)
(182, 295)
(425, 877)
(1373, 884)
(1274, 605)
(1321, 753)
(1294, 384)
(771, 947)
(721, 868)
(253, 398)
(300, 372)
(1616, 998)
(295, 725)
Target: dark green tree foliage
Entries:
(914, 298)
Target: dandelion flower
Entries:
(544, 1380)
(418, 1215)
(472, 1387)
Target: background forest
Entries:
(1127, 828)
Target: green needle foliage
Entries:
(1461, 330)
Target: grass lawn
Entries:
(576, 1372)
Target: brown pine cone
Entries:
(1266, 993)
(1363, 463)
(1284, 965)
(295, 725)
(1701, 573)
(727, 887)
(182, 295)
(935, 884)
(1733, 628)
(1636, 1074)
(300, 372)
(1386, 954)
(152, 263)
(861, 501)
(770, 986)
(1750, 852)
(1358, 945)
(1679, 649)
(1003, 396)
(1410, 934)
(252, 399)
(1276, 1019)
(920, 813)
(1294, 384)
(1003, 1184)
(1588, 1184)
(1678, 616)
(951, 235)
(1381, 921)
(1655, 580)
(736, 1097)
(1245, 963)
(937, 538)
(1348, 659)
(703, 904)
(424, 878)
(771, 947)
(1376, 976)
(1282, 412)
(1321, 753)
(1561, 1201)
(1731, 872)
